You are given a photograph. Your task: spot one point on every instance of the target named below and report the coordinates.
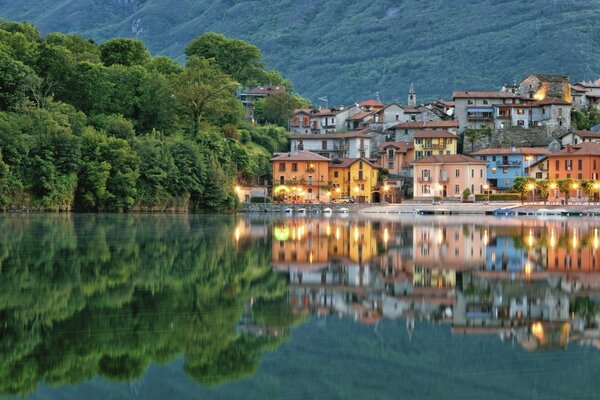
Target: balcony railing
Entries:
(422, 179)
(443, 179)
(479, 117)
(514, 164)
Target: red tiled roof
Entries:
(360, 115)
(410, 110)
(337, 135)
(588, 134)
(402, 147)
(582, 149)
(429, 133)
(303, 155)
(484, 95)
(302, 111)
(449, 159)
(426, 124)
(371, 103)
(517, 150)
(346, 162)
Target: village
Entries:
(514, 143)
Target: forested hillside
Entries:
(350, 50)
(110, 127)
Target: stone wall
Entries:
(514, 136)
(310, 208)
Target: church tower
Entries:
(412, 96)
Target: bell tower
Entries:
(412, 96)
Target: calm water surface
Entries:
(225, 307)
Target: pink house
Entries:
(448, 176)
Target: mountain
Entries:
(351, 50)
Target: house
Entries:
(250, 95)
(300, 177)
(576, 137)
(430, 142)
(300, 121)
(586, 94)
(405, 131)
(580, 161)
(538, 169)
(541, 86)
(551, 112)
(334, 145)
(355, 177)
(475, 109)
(396, 157)
(360, 119)
(447, 176)
(504, 165)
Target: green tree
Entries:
(543, 185)
(4, 181)
(565, 186)
(240, 60)
(124, 51)
(13, 77)
(523, 185)
(202, 86)
(276, 109)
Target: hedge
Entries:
(259, 200)
(498, 197)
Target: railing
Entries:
(443, 179)
(515, 164)
(422, 179)
(476, 117)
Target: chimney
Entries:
(569, 148)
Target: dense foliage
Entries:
(110, 294)
(348, 51)
(111, 128)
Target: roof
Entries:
(450, 159)
(553, 100)
(541, 160)
(323, 112)
(426, 124)
(588, 134)
(410, 110)
(359, 116)
(266, 90)
(303, 155)
(551, 77)
(302, 111)
(402, 147)
(429, 133)
(525, 151)
(582, 149)
(371, 103)
(346, 162)
(484, 95)
(337, 135)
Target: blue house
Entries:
(504, 165)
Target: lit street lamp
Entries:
(339, 192)
(386, 188)
(575, 187)
(487, 189)
(552, 187)
(531, 187)
(597, 187)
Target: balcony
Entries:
(423, 179)
(443, 179)
(479, 117)
(503, 116)
(510, 164)
(359, 179)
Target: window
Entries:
(391, 165)
(594, 164)
(294, 167)
(472, 173)
(568, 165)
(282, 180)
(505, 170)
(481, 173)
(560, 112)
(579, 176)
(390, 154)
(457, 173)
(418, 154)
(493, 158)
(360, 165)
(506, 182)
(425, 189)
(520, 123)
(456, 189)
(470, 102)
(406, 131)
(418, 141)
(493, 170)
(485, 102)
(520, 111)
(397, 117)
(281, 167)
(580, 164)
(324, 144)
(557, 165)
(538, 175)
(335, 174)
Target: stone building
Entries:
(541, 86)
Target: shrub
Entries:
(259, 200)
(498, 197)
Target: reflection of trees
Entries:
(82, 295)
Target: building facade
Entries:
(354, 177)
(300, 177)
(447, 176)
(334, 145)
(434, 142)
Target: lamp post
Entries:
(531, 188)
(356, 191)
(441, 191)
(339, 192)
(487, 189)
(575, 187)
(328, 194)
(386, 188)
(552, 187)
(597, 187)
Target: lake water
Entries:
(254, 307)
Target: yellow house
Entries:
(353, 177)
(539, 169)
(429, 142)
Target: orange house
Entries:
(581, 161)
(300, 177)
(395, 156)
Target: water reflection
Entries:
(528, 280)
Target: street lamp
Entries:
(531, 187)
(553, 187)
(597, 187)
(575, 187)
(328, 194)
(487, 189)
(386, 188)
(441, 191)
(339, 192)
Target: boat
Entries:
(302, 211)
(327, 212)
(547, 211)
(288, 210)
(504, 211)
(344, 211)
